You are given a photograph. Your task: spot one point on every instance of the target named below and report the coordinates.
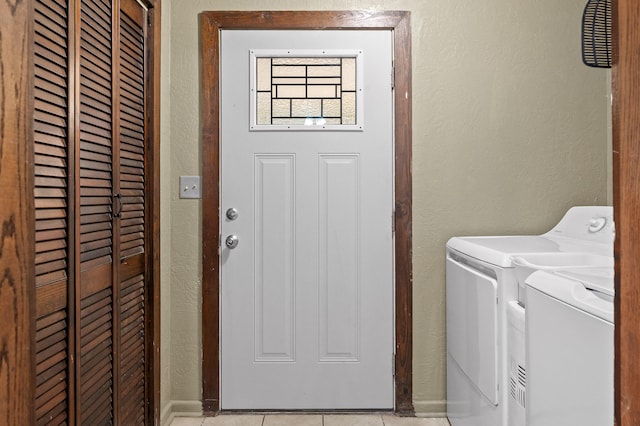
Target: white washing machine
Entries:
(480, 283)
(570, 348)
(525, 265)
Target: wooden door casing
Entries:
(626, 207)
(211, 23)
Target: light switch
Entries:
(190, 187)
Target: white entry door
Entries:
(307, 165)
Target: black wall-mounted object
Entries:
(596, 34)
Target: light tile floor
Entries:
(307, 420)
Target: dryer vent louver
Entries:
(596, 34)
(518, 383)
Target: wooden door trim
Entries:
(211, 23)
(626, 207)
(152, 327)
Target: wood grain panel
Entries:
(152, 237)
(210, 102)
(210, 25)
(403, 215)
(626, 196)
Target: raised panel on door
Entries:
(132, 223)
(339, 257)
(274, 258)
(51, 39)
(95, 170)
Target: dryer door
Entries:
(472, 321)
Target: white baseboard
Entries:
(166, 415)
(180, 409)
(430, 408)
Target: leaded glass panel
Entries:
(306, 90)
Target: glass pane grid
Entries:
(306, 91)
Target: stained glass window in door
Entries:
(306, 90)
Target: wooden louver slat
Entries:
(94, 216)
(132, 133)
(132, 221)
(95, 126)
(51, 368)
(96, 379)
(50, 191)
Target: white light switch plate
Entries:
(190, 187)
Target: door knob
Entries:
(231, 241)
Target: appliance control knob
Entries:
(596, 224)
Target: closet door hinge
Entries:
(393, 365)
(393, 76)
(393, 221)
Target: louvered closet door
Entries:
(91, 213)
(51, 192)
(95, 369)
(132, 220)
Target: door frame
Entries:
(152, 305)
(211, 23)
(626, 208)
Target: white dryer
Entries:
(480, 283)
(570, 348)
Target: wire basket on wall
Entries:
(596, 34)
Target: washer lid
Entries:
(595, 279)
(498, 250)
(573, 290)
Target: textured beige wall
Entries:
(510, 129)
